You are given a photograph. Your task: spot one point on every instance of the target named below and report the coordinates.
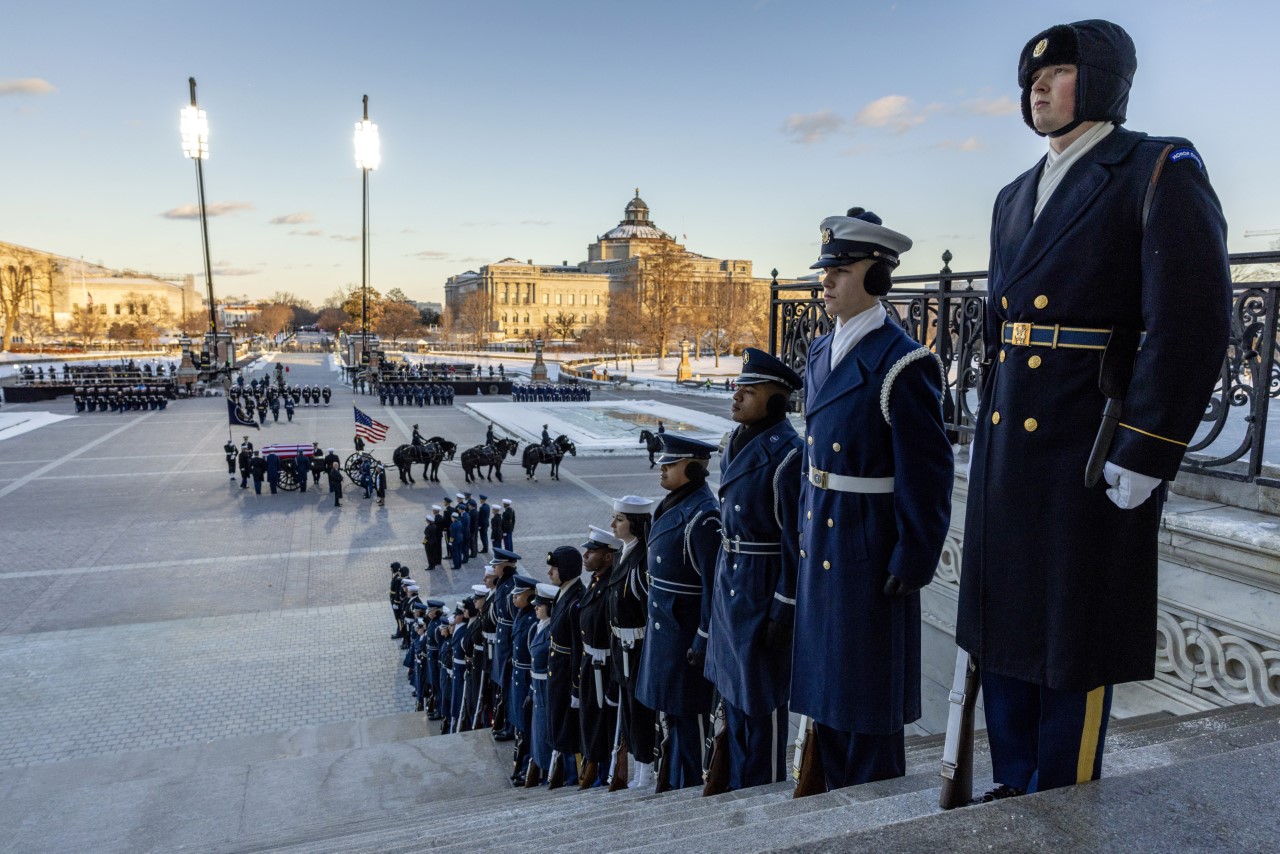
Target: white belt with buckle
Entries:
(846, 483)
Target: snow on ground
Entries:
(600, 427)
(16, 423)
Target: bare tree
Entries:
(660, 283)
(86, 324)
(332, 319)
(561, 325)
(471, 316)
(271, 319)
(399, 319)
(733, 316)
(24, 274)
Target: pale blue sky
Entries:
(522, 128)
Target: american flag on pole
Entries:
(367, 428)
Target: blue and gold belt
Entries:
(1056, 336)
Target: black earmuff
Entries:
(776, 406)
(879, 279)
(696, 471)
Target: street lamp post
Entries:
(368, 156)
(194, 125)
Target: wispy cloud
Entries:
(1002, 106)
(431, 255)
(808, 128)
(970, 144)
(349, 238)
(27, 86)
(408, 231)
(312, 232)
(892, 111)
(535, 222)
(292, 219)
(234, 271)
(215, 209)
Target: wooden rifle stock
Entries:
(716, 777)
(813, 778)
(663, 768)
(957, 753)
(620, 775)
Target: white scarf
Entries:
(627, 546)
(1057, 164)
(847, 335)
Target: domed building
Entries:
(521, 299)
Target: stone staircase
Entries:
(1205, 781)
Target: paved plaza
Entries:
(147, 602)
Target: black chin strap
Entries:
(1065, 129)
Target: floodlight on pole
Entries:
(194, 126)
(368, 157)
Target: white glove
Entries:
(573, 703)
(1129, 489)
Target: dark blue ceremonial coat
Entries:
(1058, 585)
(682, 545)
(759, 501)
(502, 614)
(562, 669)
(856, 664)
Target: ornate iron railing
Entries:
(945, 312)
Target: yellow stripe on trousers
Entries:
(1089, 736)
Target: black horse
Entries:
(534, 454)
(434, 451)
(487, 455)
(652, 442)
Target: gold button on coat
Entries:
(1002, 355)
(1031, 424)
(1004, 302)
(835, 446)
(1034, 362)
(808, 515)
(810, 440)
(995, 418)
(831, 523)
(802, 554)
(1041, 301)
(826, 564)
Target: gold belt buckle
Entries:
(818, 477)
(1021, 334)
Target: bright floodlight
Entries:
(368, 149)
(195, 133)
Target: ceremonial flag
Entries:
(367, 428)
(237, 419)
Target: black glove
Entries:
(898, 588)
(696, 658)
(777, 635)
(528, 703)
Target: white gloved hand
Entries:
(573, 703)
(1129, 489)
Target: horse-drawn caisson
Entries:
(295, 462)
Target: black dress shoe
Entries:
(999, 793)
(503, 736)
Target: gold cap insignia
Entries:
(826, 235)
(1040, 48)
(746, 357)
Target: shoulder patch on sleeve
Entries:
(886, 389)
(1186, 154)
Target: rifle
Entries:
(1114, 376)
(555, 776)
(663, 766)
(812, 779)
(618, 769)
(957, 753)
(716, 775)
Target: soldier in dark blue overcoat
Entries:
(753, 607)
(597, 693)
(683, 544)
(1111, 230)
(564, 568)
(435, 612)
(539, 662)
(874, 510)
(518, 693)
(504, 564)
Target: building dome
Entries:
(636, 223)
